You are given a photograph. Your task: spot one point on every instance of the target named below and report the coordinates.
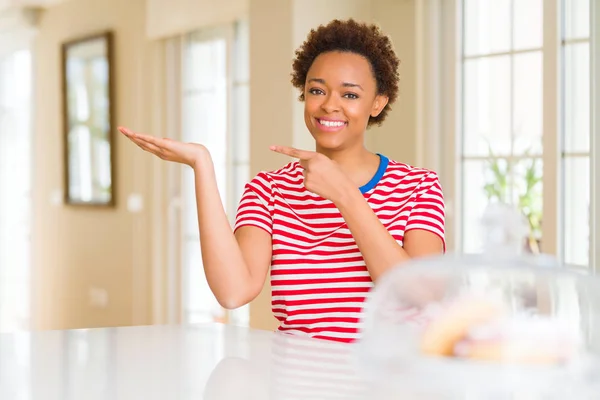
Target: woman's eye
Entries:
(315, 91)
(351, 96)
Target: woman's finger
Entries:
(149, 147)
(304, 164)
(140, 136)
(158, 142)
(125, 131)
(158, 147)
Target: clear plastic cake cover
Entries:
(503, 322)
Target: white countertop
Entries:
(174, 362)
(199, 362)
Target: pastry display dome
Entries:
(496, 323)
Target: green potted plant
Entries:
(505, 183)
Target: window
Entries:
(501, 113)
(524, 128)
(204, 121)
(15, 186)
(215, 112)
(576, 132)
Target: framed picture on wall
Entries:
(88, 120)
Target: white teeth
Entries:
(332, 123)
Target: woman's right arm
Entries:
(235, 266)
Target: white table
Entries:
(207, 362)
(174, 362)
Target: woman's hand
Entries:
(167, 149)
(322, 175)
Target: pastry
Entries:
(479, 329)
(453, 324)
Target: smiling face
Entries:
(340, 95)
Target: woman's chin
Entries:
(329, 146)
(327, 141)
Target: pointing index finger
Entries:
(292, 152)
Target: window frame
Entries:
(595, 137)
(565, 154)
(447, 42)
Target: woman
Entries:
(330, 224)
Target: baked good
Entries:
(481, 329)
(454, 322)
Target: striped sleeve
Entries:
(428, 211)
(256, 205)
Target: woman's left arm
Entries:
(378, 247)
(424, 230)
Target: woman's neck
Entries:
(359, 164)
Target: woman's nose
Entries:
(331, 103)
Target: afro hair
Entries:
(351, 36)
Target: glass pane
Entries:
(487, 106)
(200, 304)
(527, 106)
(241, 124)
(189, 210)
(576, 211)
(577, 98)
(496, 180)
(15, 190)
(206, 64)
(487, 26)
(205, 121)
(577, 19)
(241, 175)
(528, 196)
(241, 57)
(480, 187)
(528, 20)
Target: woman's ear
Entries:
(378, 105)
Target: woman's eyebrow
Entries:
(344, 84)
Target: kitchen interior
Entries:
(101, 278)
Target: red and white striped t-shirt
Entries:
(318, 276)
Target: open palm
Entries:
(166, 149)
